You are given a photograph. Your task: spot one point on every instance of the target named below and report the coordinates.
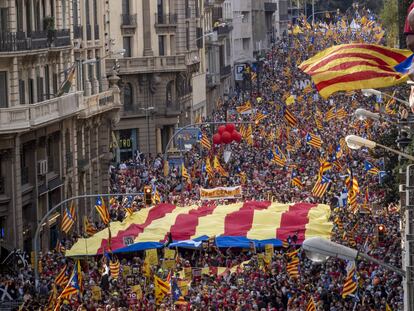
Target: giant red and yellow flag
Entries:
(358, 66)
(251, 219)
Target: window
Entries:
(47, 82)
(3, 89)
(187, 35)
(64, 13)
(160, 8)
(197, 8)
(125, 7)
(127, 46)
(128, 96)
(55, 83)
(168, 98)
(3, 20)
(161, 46)
(40, 92)
(98, 73)
(246, 43)
(75, 12)
(187, 9)
(22, 92)
(31, 95)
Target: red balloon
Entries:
(226, 137)
(236, 136)
(230, 127)
(221, 129)
(217, 139)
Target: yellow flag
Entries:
(290, 100)
(297, 30)
(166, 168)
(387, 307)
(152, 256)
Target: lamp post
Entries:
(356, 142)
(147, 110)
(369, 92)
(319, 250)
(50, 212)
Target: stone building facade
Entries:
(52, 147)
(162, 71)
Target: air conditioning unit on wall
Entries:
(42, 167)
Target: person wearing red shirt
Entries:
(409, 27)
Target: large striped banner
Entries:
(356, 66)
(259, 221)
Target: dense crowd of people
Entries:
(256, 285)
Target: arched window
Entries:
(127, 96)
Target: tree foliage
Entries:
(389, 20)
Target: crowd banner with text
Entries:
(221, 193)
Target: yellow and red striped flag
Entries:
(62, 278)
(209, 169)
(205, 142)
(243, 108)
(357, 66)
(162, 288)
(249, 135)
(102, 210)
(330, 114)
(114, 267)
(69, 218)
(217, 166)
(311, 305)
(88, 227)
(320, 187)
(290, 118)
(351, 282)
(341, 114)
(259, 117)
(314, 140)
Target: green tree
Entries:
(389, 20)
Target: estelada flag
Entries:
(358, 66)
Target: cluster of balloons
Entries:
(226, 134)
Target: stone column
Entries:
(146, 13)
(14, 84)
(12, 17)
(159, 140)
(17, 195)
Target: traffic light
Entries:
(148, 195)
(381, 233)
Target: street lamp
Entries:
(356, 142)
(369, 92)
(319, 250)
(363, 114)
(147, 110)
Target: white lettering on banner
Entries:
(301, 84)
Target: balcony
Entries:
(36, 40)
(225, 71)
(136, 65)
(39, 40)
(213, 80)
(78, 32)
(62, 38)
(13, 41)
(270, 7)
(97, 104)
(25, 117)
(165, 23)
(128, 21)
(224, 30)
